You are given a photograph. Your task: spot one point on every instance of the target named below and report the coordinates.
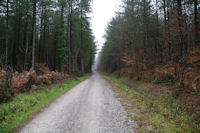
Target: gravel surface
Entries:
(90, 107)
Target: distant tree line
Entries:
(55, 32)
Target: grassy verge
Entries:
(23, 106)
(154, 110)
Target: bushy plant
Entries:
(23, 82)
(20, 82)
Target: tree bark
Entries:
(145, 24)
(82, 65)
(82, 60)
(26, 53)
(41, 34)
(179, 8)
(24, 46)
(165, 14)
(69, 37)
(196, 24)
(157, 28)
(34, 34)
(7, 15)
(61, 30)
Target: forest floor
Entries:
(154, 106)
(23, 107)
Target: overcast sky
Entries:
(103, 11)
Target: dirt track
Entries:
(89, 107)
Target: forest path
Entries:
(90, 107)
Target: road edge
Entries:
(23, 124)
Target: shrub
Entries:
(20, 82)
(16, 82)
(169, 70)
(5, 93)
(45, 76)
(5, 90)
(3, 78)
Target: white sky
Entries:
(103, 11)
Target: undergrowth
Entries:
(23, 106)
(154, 108)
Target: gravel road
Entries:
(90, 107)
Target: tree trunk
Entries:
(168, 34)
(145, 25)
(62, 68)
(41, 35)
(69, 37)
(7, 15)
(179, 8)
(73, 64)
(165, 15)
(76, 62)
(45, 36)
(47, 47)
(157, 29)
(196, 24)
(81, 25)
(16, 42)
(34, 34)
(24, 46)
(14, 51)
(56, 62)
(82, 66)
(26, 53)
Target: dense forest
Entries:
(148, 70)
(43, 42)
(54, 32)
(155, 40)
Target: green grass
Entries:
(155, 109)
(23, 106)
